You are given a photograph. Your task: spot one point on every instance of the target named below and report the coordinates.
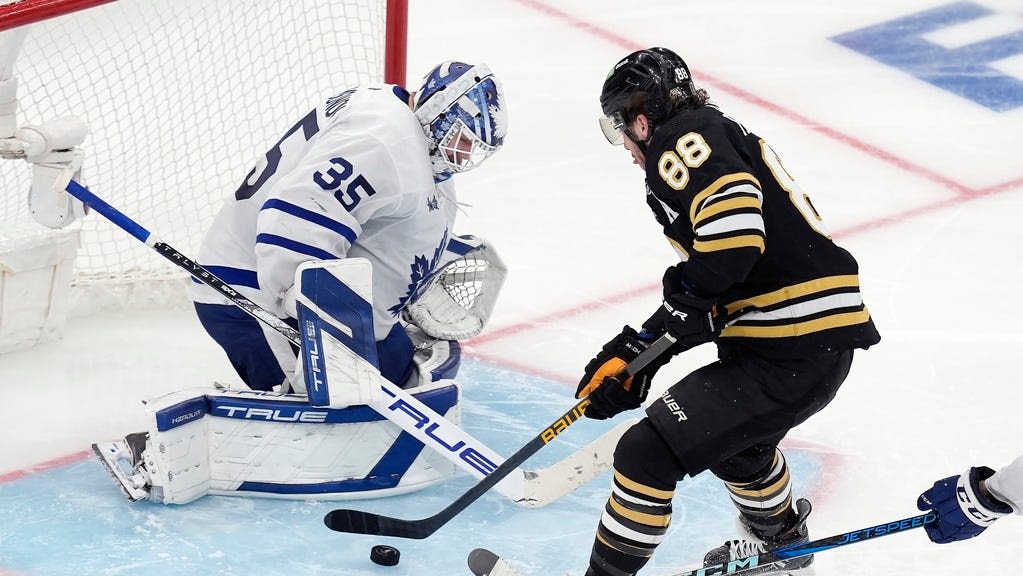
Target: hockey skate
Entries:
(757, 542)
(123, 459)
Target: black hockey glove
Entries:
(608, 395)
(689, 318)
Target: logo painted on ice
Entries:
(923, 45)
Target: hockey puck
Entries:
(384, 555)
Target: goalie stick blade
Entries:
(107, 453)
(483, 562)
(359, 522)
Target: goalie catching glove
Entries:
(608, 394)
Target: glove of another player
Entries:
(962, 508)
(692, 320)
(608, 395)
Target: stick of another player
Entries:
(483, 562)
(360, 522)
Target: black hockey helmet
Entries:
(658, 73)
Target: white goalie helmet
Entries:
(462, 110)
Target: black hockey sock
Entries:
(766, 501)
(634, 522)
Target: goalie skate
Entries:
(123, 460)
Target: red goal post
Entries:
(181, 98)
(19, 13)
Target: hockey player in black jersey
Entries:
(759, 276)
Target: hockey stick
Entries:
(532, 490)
(483, 562)
(359, 522)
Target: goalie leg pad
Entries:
(279, 446)
(173, 466)
(249, 443)
(176, 455)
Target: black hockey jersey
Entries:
(749, 235)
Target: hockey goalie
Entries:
(328, 439)
(336, 233)
(339, 423)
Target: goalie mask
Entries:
(647, 82)
(461, 108)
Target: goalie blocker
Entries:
(333, 444)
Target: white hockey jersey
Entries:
(1007, 484)
(352, 178)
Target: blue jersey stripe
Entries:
(299, 247)
(309, 215)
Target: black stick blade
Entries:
(359, 522)
(353, 521)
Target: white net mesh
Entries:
(181, 97)
(458, 304)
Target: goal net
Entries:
(182, 97)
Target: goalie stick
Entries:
(535, 489)
(360, 522)
(483, 562)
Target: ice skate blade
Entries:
(107, 453)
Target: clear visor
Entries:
(462, 150)
(613, 127)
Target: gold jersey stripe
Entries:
(798, 328)
(643, 489)
(726, 205)
(746, 241)
(715, 187)
(654, 520)
(796, 291)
